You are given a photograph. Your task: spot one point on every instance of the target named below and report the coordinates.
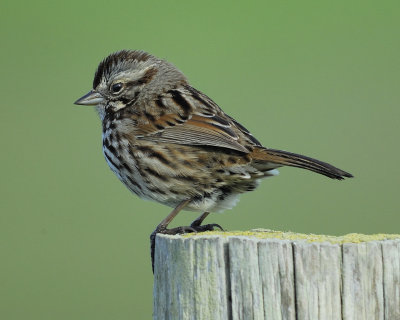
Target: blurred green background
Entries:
(316, 78)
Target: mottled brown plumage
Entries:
(170, 143)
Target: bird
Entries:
(168, 142)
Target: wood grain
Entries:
(247, 277)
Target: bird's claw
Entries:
(193, 228)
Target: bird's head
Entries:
(128, 77)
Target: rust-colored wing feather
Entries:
(196, 120)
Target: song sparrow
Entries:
(170, 143)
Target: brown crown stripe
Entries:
(145, 79)
(105, 67)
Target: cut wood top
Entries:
(293, 236)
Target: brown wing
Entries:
(196, 120)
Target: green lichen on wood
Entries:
(292, 236)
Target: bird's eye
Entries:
(116, 87)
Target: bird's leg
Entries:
(196, 224)
(194, 227)
(162, 228)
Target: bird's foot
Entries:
(196, 225)
(193, 228)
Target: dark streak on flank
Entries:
(111, 148)
(200, 197)
(160, 157)
(246, 158)
(111, 161)
(156, 190)
(187, 163)
(156, 174)
(173, 191)
(232, 160)
(118, 138)
(207, 194)
(134, 183)
(225, 191)
(202, 160)
(128, 168)
(131, 154)
(108, 125)
(106, 141)
(155, 154)
(185, 178)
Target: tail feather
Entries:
(284, 158)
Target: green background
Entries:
(318, 78)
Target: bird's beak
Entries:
(92, 98)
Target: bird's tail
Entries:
(279, 158)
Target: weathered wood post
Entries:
(273, 275)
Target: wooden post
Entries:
(273, 275)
